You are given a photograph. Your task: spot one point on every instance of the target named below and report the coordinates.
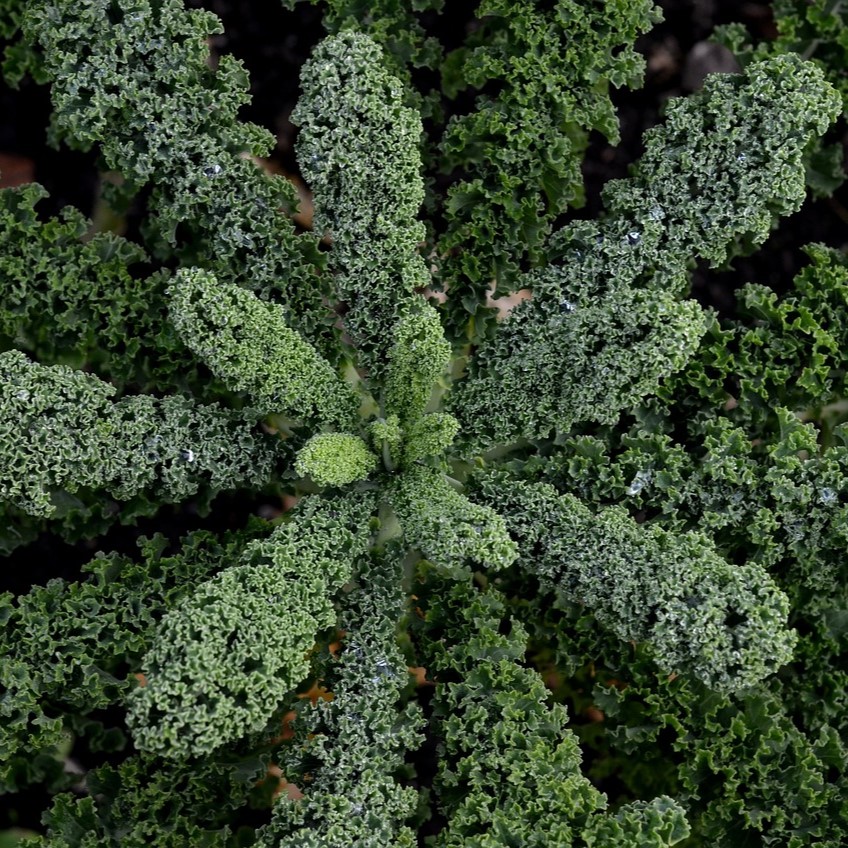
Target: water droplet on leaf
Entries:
(827, 496)
(639, 482)
(383, 668)
(566, 307)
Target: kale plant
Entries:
(604, 488)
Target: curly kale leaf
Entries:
(69, 647)
(419, 356)
(359, 736)
(583, 360)
(395, 26)
(713, 178)
(60, 431)
(358, 149)
(229, 653)
(247, 343)
(509, 770)
(149, 801)
(446, 526)
(135, 79)
(64, 296)
(725, 624)
(335, 459)
(522, 147)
